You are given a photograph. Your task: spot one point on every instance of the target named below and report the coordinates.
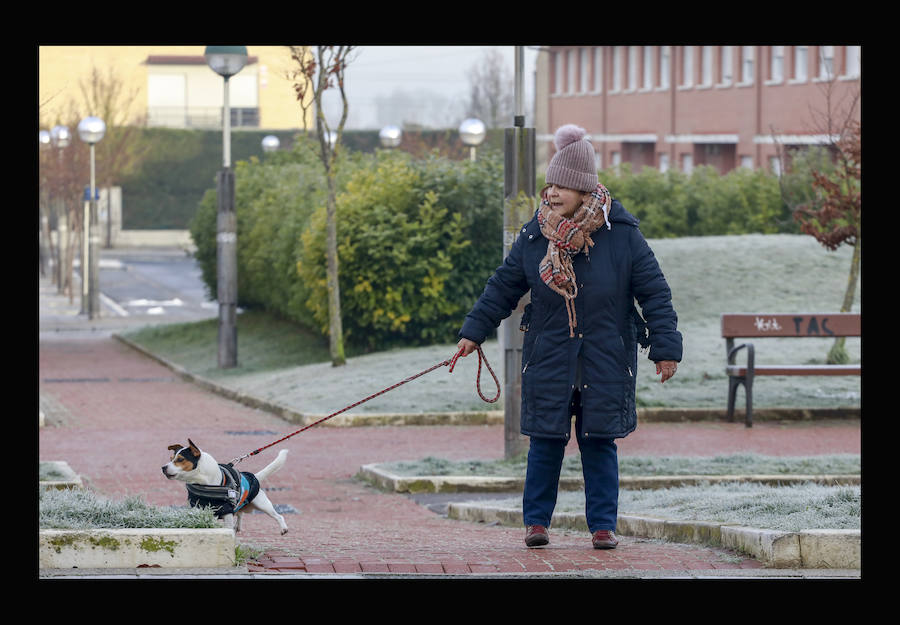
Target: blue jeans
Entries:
(600, 466)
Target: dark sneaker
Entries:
(536, 536)
(604, 539)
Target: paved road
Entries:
(165, 283)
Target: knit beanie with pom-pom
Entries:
(573, 165)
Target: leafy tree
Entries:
(835, 219)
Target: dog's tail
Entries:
(272, 466)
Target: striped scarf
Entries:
(567, 237)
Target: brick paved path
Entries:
(112, 412)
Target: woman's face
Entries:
(564, 201)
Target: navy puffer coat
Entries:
(602, 356)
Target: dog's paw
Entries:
(284, 531)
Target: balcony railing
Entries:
(200, 117)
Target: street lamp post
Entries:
(226, 61)
(518, 207)
(91, 131)
(472, 133)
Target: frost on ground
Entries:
(787, 508)
(82, 509)
(730, 464)
(708, 276)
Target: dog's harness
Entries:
(238, 488)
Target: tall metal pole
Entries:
(93, 239)
(91, 231)
(518, 207)
(85, 253)
(226, 250)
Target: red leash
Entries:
(449, 361)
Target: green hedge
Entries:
(178, 166)
(704, 203)
(418, 237)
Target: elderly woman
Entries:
(585, 262)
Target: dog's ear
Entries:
(194, 449)
(175, 447)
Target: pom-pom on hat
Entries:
(573, 165)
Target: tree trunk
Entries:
(335, 328)
(838, 355)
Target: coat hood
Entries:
(618, 214)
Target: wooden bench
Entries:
(795, 325)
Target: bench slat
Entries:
(736, 370)
(790, 324)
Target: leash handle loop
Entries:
(481, 357)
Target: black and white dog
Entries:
(220, 486)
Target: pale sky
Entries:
(429, 83)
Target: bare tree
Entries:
(64, 172)
(316, 72)
(106, 96)
(491, 91)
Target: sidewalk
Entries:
(111, 412)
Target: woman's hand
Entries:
(466, 346)
(667, 368)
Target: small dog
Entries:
(222, 487)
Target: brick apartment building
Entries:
(684, 106)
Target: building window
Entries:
(584, 66)
(632, 67)
(706, 72)
(663, 162)
(617, 69)
(826, 62)
(726, 71)
(598, 69)
(776, 65)
(648, 68)
(852, 64)
(665, 56)
(775, 165)
(179, 94)
(558, 72)
(687, 163)
(687, 66)
(801, 63)
(572, 73)
(747, 162)
(747, 65)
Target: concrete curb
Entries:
(813, 549)
(468, 484)
(838, 549)
(136, 547)
(481, 417)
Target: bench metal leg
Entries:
(733, 383)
